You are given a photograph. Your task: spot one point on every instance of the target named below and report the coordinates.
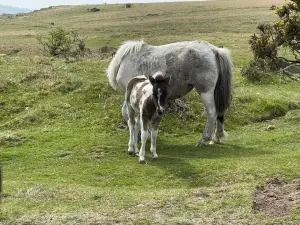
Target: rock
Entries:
(93, 10)
(271, 127)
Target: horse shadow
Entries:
(177, 160)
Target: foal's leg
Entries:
(136, 134)
(125, 113)
(131, 125)
(209, 102)
(138, 126)
(144, 136)
(220, 132)
(154, 132)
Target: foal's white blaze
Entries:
(161, 108)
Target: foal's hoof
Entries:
(131, 153)
(155, 158)
(142, 162)
(199, 143)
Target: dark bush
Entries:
(62, 43)
(94, 10)
(264, 45)
(257, 70)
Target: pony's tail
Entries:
(223, 91)
(112, 71)
(125, 49)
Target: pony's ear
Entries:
(152, 80)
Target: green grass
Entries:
(63, 143)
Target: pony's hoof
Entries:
(155, 158)
(131, 153)
(216, 141)
(142, 162)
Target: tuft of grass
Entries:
(11, 139)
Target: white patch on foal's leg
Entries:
(136, 136)
(131, 143)
(153, 143)
(144, 137)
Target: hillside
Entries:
(63, 142)
(4, 9)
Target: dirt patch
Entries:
(277, 198)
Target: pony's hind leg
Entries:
(220, 132)
(209, 102)
(125, 111)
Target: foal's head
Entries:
(160, 92)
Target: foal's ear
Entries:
(152, 80)
(167, 79)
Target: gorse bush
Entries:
(265, 45)
(62, 43)
(256, 70)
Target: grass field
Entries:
(63, 144)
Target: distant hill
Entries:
(12, 10)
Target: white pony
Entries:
(195, 64)
(146, 100)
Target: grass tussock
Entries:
(8, 138)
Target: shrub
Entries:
(257, 70)
(62, 43)
(264, 45)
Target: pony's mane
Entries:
(128, 47)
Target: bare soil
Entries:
(277, 198)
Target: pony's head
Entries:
(160, 91)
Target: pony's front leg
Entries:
(209, 102)
(144, 136)
(154, 133)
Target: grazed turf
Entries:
(63, 143)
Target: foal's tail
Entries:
(222, 93)
(126, 48)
